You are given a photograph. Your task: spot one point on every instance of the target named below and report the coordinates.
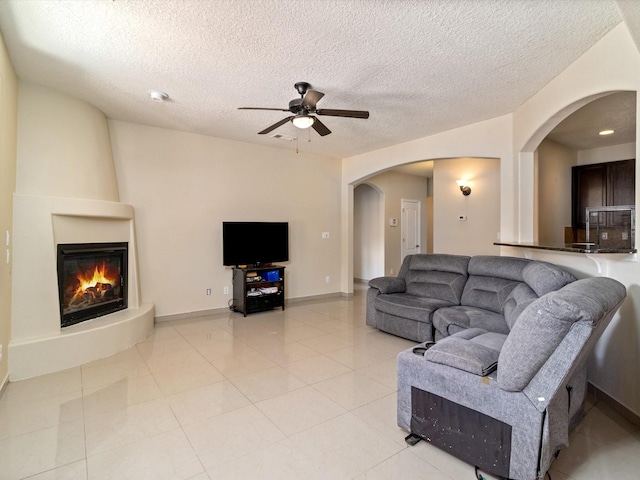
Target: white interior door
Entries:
(410, 227)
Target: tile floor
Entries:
(308, 393)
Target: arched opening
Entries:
(450, 222)
(574, 167)
(368, 233)
(395, 187)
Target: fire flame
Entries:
(91, 280)
(94, 283)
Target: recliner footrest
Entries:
(470, 435)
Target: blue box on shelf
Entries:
(271, 276)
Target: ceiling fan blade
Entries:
(260, 108)
(311, 98)
(321, 128)
(275, 125)
(343, 113)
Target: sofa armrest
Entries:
(388, 284)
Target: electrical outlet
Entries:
(605, 235)
(462, 218)
(225, 290)
(327, 279)
(208, 291)
(325, 234)
(625, 236)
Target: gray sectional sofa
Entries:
(436, 295)
(506, 380)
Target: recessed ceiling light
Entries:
(158, 96)
(605, 132)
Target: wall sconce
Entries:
(464, 188)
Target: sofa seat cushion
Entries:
(409, 306)
(473, 350)
(450, 320)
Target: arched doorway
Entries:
(571, 144)
(368, 233)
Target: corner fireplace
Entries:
(92, 280)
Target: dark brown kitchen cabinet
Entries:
(602, 185)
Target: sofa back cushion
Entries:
(545, 277)
(543, 325)
(437, 276)
(519, 298)
(491, 281)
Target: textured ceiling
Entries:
(579, 131)
(419, 67)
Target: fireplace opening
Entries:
(92, 280)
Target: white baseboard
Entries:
(217, 311)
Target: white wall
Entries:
(368, 243)
(183, 186)
(554, 191)
(476, 235)
(430, 215)
(396, 186)
(8, 146)
(64, 148)
(624, 151)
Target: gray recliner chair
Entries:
(511, 421)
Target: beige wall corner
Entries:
(8, 148)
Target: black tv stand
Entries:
(257, 289)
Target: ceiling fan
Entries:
(302, 108)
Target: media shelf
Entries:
(256, 289)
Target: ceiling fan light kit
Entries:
(302, 108)
(303, 121)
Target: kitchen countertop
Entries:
(569, 247)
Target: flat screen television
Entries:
(254, 243)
